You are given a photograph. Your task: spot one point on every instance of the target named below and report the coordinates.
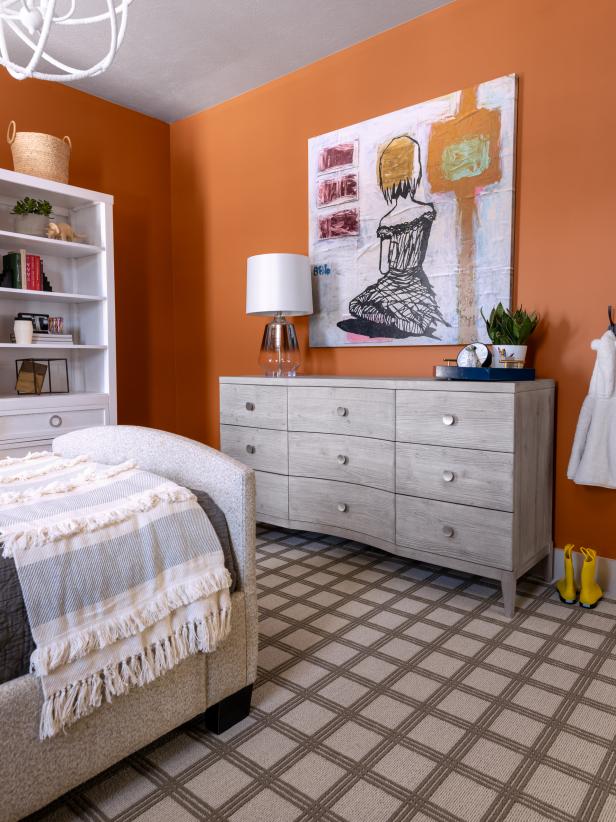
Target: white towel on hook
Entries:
(593, 456)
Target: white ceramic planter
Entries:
(23, 331)
(502, 353)
(35, 224)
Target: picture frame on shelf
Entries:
(42, 376)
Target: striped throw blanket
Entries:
(122, 574)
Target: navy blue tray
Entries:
(455, 372)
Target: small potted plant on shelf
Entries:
(509, 331)
(32, 216)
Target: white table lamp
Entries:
(279, 284)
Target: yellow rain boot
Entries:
(590, 592)
(566, 586)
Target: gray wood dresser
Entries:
(458, 474)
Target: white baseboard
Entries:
(606, 570)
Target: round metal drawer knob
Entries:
(342, 460)
(448, 476)
(55, 421)
(342, 507)
(449, 419)
(448, 530)
(341, 411)
(250, 406)
(251, 449)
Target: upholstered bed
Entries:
(34, 772)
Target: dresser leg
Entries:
(508, 586)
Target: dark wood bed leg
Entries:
(229, 711)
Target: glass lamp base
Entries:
(280, 355)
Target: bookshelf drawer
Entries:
(44, 425)
(22, 449)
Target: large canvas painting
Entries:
(411, 221)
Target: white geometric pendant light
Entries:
(32, 22)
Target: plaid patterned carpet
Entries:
(391, 691)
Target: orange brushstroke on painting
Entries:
(463, 156)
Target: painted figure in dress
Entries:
(402, 302)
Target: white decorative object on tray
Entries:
(474, 355)
(509, 356)
(411, 221)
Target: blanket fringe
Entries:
(36, 535)
(46, 659)
(31, 455)
(65, 486)
(60, 465)
(81, 698)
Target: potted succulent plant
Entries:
(509, 331)
(32, 216)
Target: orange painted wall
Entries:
(125, 154)
(239, 187)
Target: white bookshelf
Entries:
(81, 275)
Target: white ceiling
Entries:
(181, 56)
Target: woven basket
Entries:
(41, 155)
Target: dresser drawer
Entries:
(272, 495)
(355, 507)
(45, 425)
(479, 478)
(359, 460)
(456, 418)
(263, 449)
(362, 412)
(473, 534)
(258, 406)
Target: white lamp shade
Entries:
(278, 283)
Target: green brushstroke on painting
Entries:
(469, 158)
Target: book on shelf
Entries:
(25, 271)
(49, 340)
(29, 272)
(32, 274)
(37, 274)
(22, 268)
(11, 267)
